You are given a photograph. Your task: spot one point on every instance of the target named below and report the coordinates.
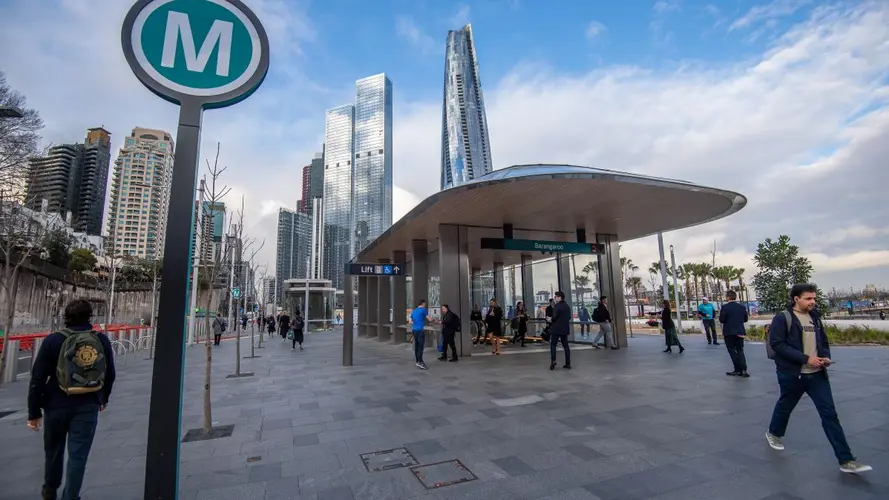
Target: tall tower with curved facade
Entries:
(465, 147)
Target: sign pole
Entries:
(154, 39)
(162, 460)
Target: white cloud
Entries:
(800, 130)
(662, 6)
(461, 18)
(595, 29)
(768, 12)
(407, 29)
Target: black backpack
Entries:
(298, 323)
(598, 315)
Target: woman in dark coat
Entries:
(494, 322)
(521, 322)
(670, 329)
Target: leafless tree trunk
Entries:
(208, 272)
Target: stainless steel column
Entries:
(499, 290)
(372, 307)
(563, 275)
(10, 361)
(419, 271)
(611, 285)
(348, 332)
(384, 299)
(399, 299)
(453, 258)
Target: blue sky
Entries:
(785, 101)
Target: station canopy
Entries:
(549, 202)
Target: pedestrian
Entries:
(298, 326)
(559, 331)
(670, 329)
(450, 326)
(418, 323)
(244, 322)
(283, 326)
(477, 319)
(521, 323)
(802, 356)
(707, 313)
(583, 315)
(732, 316)
(217, 329)
(602, 317)
(270, 325)
(494, 323)
(70, 405)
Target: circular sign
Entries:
(212, 53)
(236, 292)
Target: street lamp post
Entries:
(153, 317)
(675, 289)
(198, 245)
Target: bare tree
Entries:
(250, 273)
(21, 232)
(209, 270)
(19, 139)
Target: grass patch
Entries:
(851, 335)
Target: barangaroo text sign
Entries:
(540, 246)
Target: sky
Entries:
(786, 102)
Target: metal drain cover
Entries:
(388, 459)
(443, 474)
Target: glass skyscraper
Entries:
(357, 174)
(465, 147)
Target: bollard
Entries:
(132, 338)
(10, 361)
(111, 336)
(35, 349)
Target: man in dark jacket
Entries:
(450, 325)
(733, 315)
(71, 418)
(560, 328)
(802, 355)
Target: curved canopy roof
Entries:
(549, 202)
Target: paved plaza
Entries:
(632, 424)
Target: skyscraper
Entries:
(291, 254)
(72, 179)
(304, 205)
(357, 174)
(140, 194)
(465, 147)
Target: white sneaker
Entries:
(774, 441)
(853, 467)
(422, 366)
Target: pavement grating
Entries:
(388, 459)
(441, 474)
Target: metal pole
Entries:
(196, 269)
(675, 290)
(348, 335)
(153, 305)
(10, 361)
(663, 264)
(111, 300)
(165, 411)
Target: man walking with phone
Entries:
(802, 356)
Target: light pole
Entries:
(195, 276)
(153, 272)
(11, 112)
(675, 290)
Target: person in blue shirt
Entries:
(418, 322)
(707, 313)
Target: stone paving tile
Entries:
(627, 424)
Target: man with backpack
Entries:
(602, 317)
(71, 382)
(297, 332)
(798, 343)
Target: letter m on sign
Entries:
(179, 28)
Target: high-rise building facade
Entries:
(465, 146)
(357, 174)
(291, 257)
(70, 180)
(337, 212)
(140, 194)
(372, 176)
(304, 205)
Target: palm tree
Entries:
(592, 268)
(704, 272)
(580, 282)
(634, 284)
(724, 275)
(691, 274)
(739, 276)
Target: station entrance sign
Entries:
(543, 246)
(359, 269)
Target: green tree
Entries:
(780, 266)
(81, 261)
(57, 247)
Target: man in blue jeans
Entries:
(418, 321)
(802, 355)
(66, 417)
